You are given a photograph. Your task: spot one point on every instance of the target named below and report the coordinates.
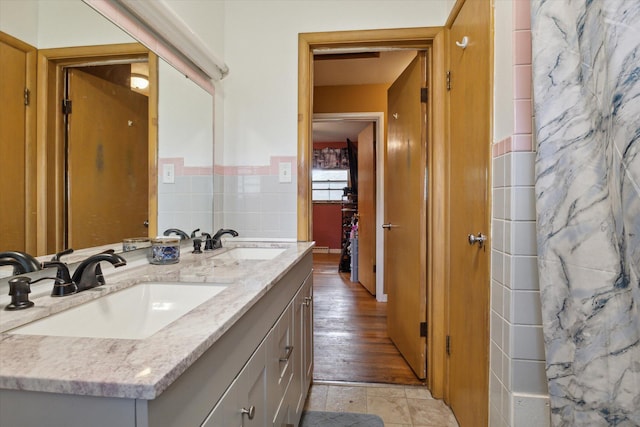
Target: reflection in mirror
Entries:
(182, 167)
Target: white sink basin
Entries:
(133, 313)
(251, 253)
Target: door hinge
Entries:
(66, 106)
(374, 268)
(27, 96)
(448, 80)
(448, 345)
(423, 329)
(424, 93)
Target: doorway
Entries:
(416, 38)
(106, 153)
(51, 141)
(345, 124)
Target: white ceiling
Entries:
(340, 72)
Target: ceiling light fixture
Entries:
(139, 81)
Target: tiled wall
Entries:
(254, 202)
(188, 203)
(518, 387)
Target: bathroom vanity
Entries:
(243, 356)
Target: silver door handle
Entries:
(388, 226)
(479, 239)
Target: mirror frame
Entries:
(50, 135)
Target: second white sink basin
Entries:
(132, 313)
(252, 253)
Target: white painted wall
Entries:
(64, 23)
(20, 19)
(261, 49)
(185, 113)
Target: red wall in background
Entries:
(327, 224)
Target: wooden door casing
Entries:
(470, 113)
(367, 208)
(405, 208)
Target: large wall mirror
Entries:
(162, 142)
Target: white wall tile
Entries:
(507, 312)
(498, 172)
(497, 294)
(531, 411)
(508, 159)
(507, 331)
(497, 234)
(528, 308)
(506, 405)
(523, 238)
(495, 360)
(528, 376)
(496, 329)
(498, 203)
(523, 206)
(201, 202)
(524, 273)
(506, 371)
(202, 184)
(497, 271)
(507, 261)
(508, 199)
(523, 169)
(527, 342)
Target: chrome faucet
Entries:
(216, 239)
(89, 273)
(22, 262)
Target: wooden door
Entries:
(470, 104)
(107, 162)
(367, 208)
(405, 214)
(17, 172)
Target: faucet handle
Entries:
(63, 285)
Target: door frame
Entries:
(378, 119)
(50, 133)
(433, 38)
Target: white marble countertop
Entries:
(140, 369)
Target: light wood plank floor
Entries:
(350, 331)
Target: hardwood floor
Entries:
(350, 331)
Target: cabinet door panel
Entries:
(246, 395)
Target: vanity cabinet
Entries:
(262, 363)
(272, 387)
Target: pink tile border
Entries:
(522, 81)
(522, 47)
(522, 14)
(268, 170)
(523, 116)
(182, 170)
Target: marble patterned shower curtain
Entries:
(586, 80)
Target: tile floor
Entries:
(398, 406)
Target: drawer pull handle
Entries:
(286, 357)
(251, 412)
(307, 301)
